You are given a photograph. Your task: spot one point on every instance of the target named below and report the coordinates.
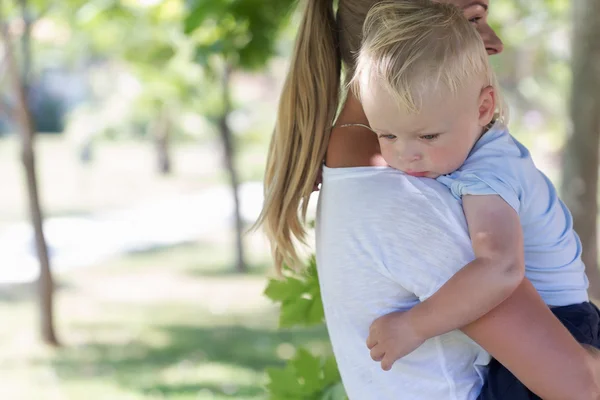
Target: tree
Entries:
(229, 36)
(580, 172)
(23, 117)
(154, 52)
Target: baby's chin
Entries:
(422, 174)
(418, 174)
(432, 175)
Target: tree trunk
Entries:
(580, 171)
(23, 116)
(26, 47)
(162, 129)
(227, 139)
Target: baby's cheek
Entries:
(438, 158)
(388, 155)
(445, 161)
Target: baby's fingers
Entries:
(387, 362)
(371, 342)
(377, 353)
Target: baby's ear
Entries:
(487, 105)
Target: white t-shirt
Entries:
(385, 241)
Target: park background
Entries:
(144, 125)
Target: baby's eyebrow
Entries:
(476, 3)
(381, 131)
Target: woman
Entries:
(365, 270)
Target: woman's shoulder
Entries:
(353, 146)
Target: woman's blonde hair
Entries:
(413, 48)
(306, 113)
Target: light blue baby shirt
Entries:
(499, 165)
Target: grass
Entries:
(171, 323)
(165, 324)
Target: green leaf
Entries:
(281, 290)
(277, 290)
(311, 269)
(315, 378)
(199, 11)
(306, 377)
(335, 392)
(331, 374)
(300, 296)
(283, 383)
(248, 29)
(294, 313)
(316, 314)
(309, 372)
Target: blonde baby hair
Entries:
(413, 48)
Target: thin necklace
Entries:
(361, 125)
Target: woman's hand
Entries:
(392, 337)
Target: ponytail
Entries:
(307, 109)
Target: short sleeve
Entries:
(481, 183)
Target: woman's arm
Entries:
(524, 335)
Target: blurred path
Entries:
(80, 241)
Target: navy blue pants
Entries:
(582, 320)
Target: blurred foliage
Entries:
(157, 54)
(176, 49)
(242, 32)
(305, 377)
(299, 295)
(174, 57)
(534, 67)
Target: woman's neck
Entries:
(353, 146)
(352, 112)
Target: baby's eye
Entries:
(433, 136)
(475, 20)
(387, 136)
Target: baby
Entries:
(430, 95)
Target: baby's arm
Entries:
(484, 283)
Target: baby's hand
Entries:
(391, 337)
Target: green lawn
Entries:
(173, 323)
(167, 324)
